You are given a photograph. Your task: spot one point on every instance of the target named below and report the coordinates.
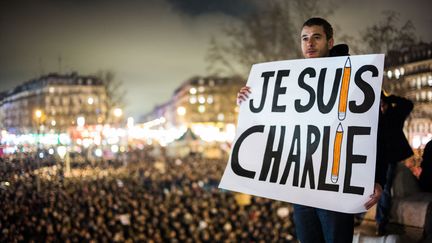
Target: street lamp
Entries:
(181, 111)
(118, 112)
(62, 152)
(38, 113)
(80, 121)
(38, 116)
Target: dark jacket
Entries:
(392, 144)
(390, 128)
(425, 179)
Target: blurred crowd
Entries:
(148, 199)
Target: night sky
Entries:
(152, 45)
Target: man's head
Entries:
(316, 38)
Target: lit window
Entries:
(210, 99)
(192, 100)
(402, 71)
(201, 109)
(181, 111)
(201, 99)
(389, 74)
(397, 73)
(192, 90)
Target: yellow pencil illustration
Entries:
(343, 97)
(336, 153)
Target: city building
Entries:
(409, 74)
(53, 103)
(207, 105)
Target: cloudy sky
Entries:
(152, 45)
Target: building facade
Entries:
(409, 74)
(201, 101)
(53, 103)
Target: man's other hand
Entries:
(243, 94)
(374, 197)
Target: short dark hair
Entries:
(328, 29)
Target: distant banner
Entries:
(307, 134)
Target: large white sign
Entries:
(308, 132)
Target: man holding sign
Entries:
(295, 144)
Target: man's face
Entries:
(314, 42)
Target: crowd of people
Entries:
(151, 200)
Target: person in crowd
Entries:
(393, 147)
(425, 179)
(137, 203)
(314, 224)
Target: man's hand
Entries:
(374, 197)
(243, 94)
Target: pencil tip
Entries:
(348, 62)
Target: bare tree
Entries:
(114, 91)
(268, 35)
(388, 34)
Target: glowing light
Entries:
(61, 150)
(416, 142)
(201, 109)
(230, 131)
(53, 123)
(98, 152)
(41, 155)
(193, 100)
(90, 100)
(80, 121)
(192, 90)
(154, 123)
(389, 74)
(130, 122)
(201, 89)
(49, 139)
(51, 151)
(97, 139)
(118, 112)
(181, 111)
(38, 113)
(113, 140)
(210, 99)
(397, 73)
(201, 99)
(114, 148)
(220, 117)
